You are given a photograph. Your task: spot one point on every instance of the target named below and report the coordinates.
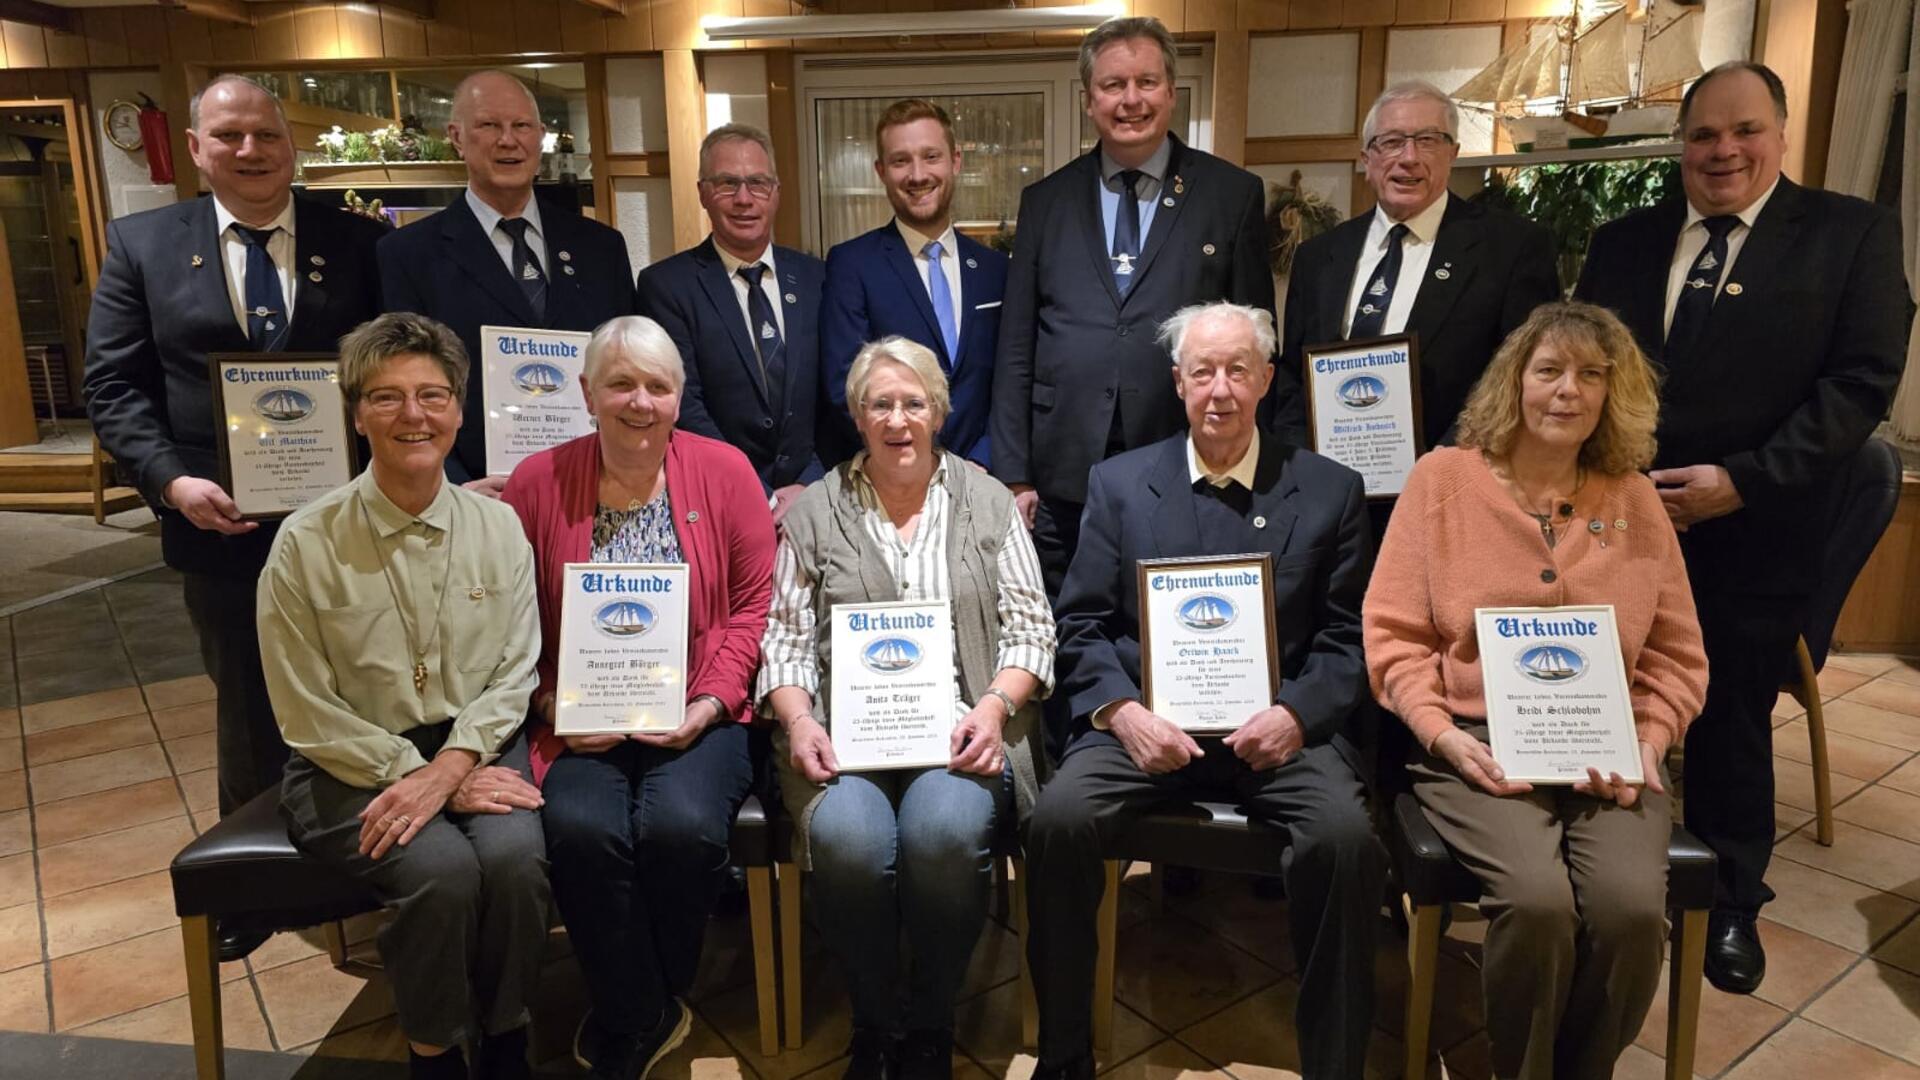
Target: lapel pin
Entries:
(316, 260)
(1168, 201)
(971, 265)
(1179, 185)
(315, 277)
(792, 299)
(1596, 526)
(693, 516)
(1733, 288)
(197, 260)
(1620, 523)
(568, 269)
(1259, 521)
(1206, 249)
(478, 592)
(566, 256)
(1443, 273)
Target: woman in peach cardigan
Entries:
(1542, 503)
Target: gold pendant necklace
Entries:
(400, 610)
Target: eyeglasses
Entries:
(1426, 142)
(883, 408)
(431, 399)
(760, 187)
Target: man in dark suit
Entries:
(216, 275)
(1219, 488)
(1456, 275)
(745, 313)
(499, 256)
(1107, 247)
(1781, 322)
(884, 282)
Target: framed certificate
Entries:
(285, 437)
(530, 386)
(893, 690)
(1363, 402)
(623, 649)
(1556, 690)
(1208, 656)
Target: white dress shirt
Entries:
(1693, 239)
(1153, 177)
(233, 258)
(769, 284)
(949, 263)
(490, 219)
(1416, 250)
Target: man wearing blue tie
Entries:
(916, 277)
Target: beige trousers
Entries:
(1574, 890)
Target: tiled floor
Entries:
(106, 770)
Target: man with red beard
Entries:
(916, 277)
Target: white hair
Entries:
(1173, 332)
(1412, 90)
(909, 354)
(639, 341)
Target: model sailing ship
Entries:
(1605, 73)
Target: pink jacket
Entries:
(726, 536)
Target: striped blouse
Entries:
(920, 574)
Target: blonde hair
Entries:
(909, 354)
(1623, 441)
(366, 349)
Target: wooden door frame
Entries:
(86, 177)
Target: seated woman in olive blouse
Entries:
(398, 639)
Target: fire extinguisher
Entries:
(157, 141)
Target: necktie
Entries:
(266, 303)
(942, 297)
(1697, 292)
(1370, 318)
(526, 266)
(765, 331)
(1126, 230)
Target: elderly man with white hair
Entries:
(1218, 488)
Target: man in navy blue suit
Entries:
(745, 314)
(499, 256)
(918, 278)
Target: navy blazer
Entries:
(1795, 371)
(1072, 350)
(1141, 505)
(445, 267)
(1489, 269)
(874, 290)
(691, 295)
(161, 306)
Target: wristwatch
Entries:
(994, 691)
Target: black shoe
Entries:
(232, 943)
(587, 1042)
(1735, 960)
(504, 1056)
(1080, 1068)
(927, 1055)
(875, 1055)
(634, 1057)
(451, 1065)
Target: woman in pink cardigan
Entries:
(1542, 503)
(637, 825)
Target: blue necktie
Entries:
(1126, 229)
(1370, 317)
(1697, 292)
(765, 331)
(942, 297)
(526, 266)
(266, 305)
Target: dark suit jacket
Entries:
(157, 314)
(691, 295)
(1797, 369)
(446, 268)
(1071, 351)
(1140, 505)
(1500, 266)
(873, 290)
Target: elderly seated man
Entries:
(1217, 489)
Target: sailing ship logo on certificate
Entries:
(1552, 662)
(891, 656)
(283, 405)
(1207, 612)
(1362, 392)
(539, 380)
(624, 619)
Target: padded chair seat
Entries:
(1207, 835)
(247, 867)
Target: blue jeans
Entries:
(637, 838)
(910, 846)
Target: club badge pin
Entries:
(568, 269)
(693, 516)
(1733, 288)
(316, 260)
(316, 277)
(478, 592)
(1179, 186)
(566, 256)
(1442, 274)
(792, 299)
(1596, 526)
(1259, 521)
(197, 260)
(1168, 201)
(971, 265)
(1620, 523)
(1206, 249)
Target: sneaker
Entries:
(927, 1055)
(634, 1058)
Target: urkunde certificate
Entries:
(892, 704)
(1364, 408)
(623, 649)
(284, 435)
(530, 385)
(1208, 656)
(1556, 690)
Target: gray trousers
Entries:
(468, 895)
(1575, 893)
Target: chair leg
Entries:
(1683, 993)
(1029, 1004)
(203, 997)
(335, 934)
(789, 875)
(765, 1001)
(1817, 744)
(1423, 955)
(1107, 921)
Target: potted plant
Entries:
(398, 154)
